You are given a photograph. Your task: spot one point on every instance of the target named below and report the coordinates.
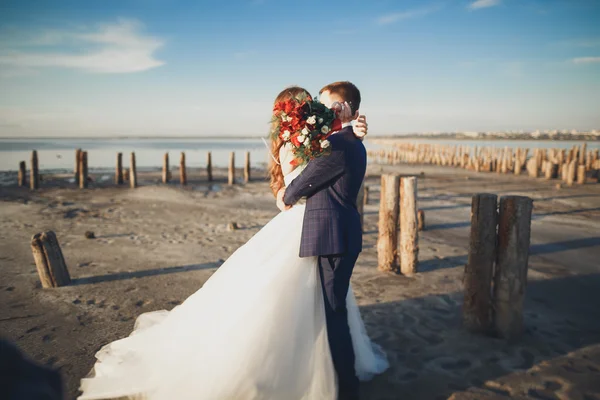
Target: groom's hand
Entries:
(280, 204)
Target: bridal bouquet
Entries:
(306, 124)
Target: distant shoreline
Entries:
(558, 138)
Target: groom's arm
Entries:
(319, 173)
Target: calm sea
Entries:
(59, 154)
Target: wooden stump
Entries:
(247, 168)
(77, 170)
(409, 238)
(231, 172)
(132, 171)
(182, 172)
(119, 169)
(34, 179)
(581, 171)
(477, 306)
(165, 169)
(83, 170)
(571, 172)
(510, 278)
(49, 260)
(366, 196)
(209, 167)
(387, 242)
(421, 220)
(22, 178)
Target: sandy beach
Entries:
(157, 244)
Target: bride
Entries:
(255, 330)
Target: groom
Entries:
(332, 229)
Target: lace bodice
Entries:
(289, 173)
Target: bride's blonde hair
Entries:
(275, 173)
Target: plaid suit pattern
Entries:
(331, 184)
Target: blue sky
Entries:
(158, 67)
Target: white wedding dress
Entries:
(255, 330)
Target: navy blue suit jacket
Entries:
(331, 184)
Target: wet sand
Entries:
(157, 244)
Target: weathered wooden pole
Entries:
(49, 260)
(83, 170)
(366, 197)
(572, 172)
(22, 178)
(34, 179)
(119, 169)
(182, 172)
(77, 168)
(581, 171)
(477, 306)
(231, 172)
(132, 171)
(387, 242)
(510, 276)
(421, 220)
(247, 168)
(209, 167)
(409, 237)
(165, 169)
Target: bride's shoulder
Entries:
(286, 155)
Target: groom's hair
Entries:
(346, 91)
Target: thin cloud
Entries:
(114, 48)
(479, 4)
(586, 60)
(404, 15)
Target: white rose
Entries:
(324, 144)
(305, 131)
(283, 117)
(301, 139)
(325, 129)
(286, 135)
(320, 120)
(288, 119)
(311, 120)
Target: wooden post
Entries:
(165, 170)
(421, 220)
(34, 179)
(231, 173)
(83, 170)
(182, 172)
(77, 166)
(247, 168)
(387, 242)
(209, 167)
(360, 204)
(22, 178)
(571, 172)
(49, 260)
(510, 277)
(582, 153)
(119, 169)
(581, 174)
(409, 238)
(477, 306)
(132, 171)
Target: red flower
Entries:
(336, 125)
(294, 139)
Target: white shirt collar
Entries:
(346, 124)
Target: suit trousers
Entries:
(335, 272)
